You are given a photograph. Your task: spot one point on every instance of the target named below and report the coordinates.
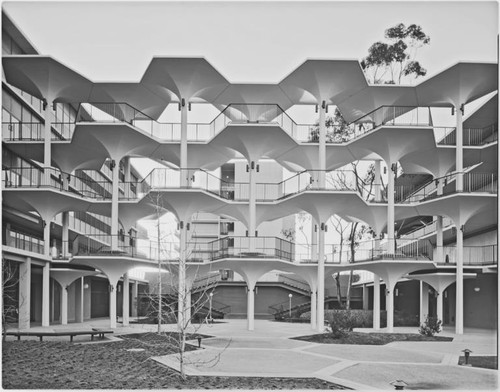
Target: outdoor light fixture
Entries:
(188, 226)
(86, 286)
(290, 305)
(112, 165)
(323, 104)
(252, 165)
(189, 106)
(467, 353)
(44, 104)
(183, 102)
(453, 110)
(477, 289)
(54, 105)
(258, 168)
(462, 109)
(398, 385)
(316, 108)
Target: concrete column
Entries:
(376, 182)
(389, 306)
(47, 136)
(112, 305)
(183, 158)
(65, 234)
(424, 301)
(252, 203)
(46, 238)
(126, 170)
(314, 240)
(321, 280)
(390, 211)
(459, 312)
(114, 203)
(376, 301)
(135, 298)
(322, 145)
(181, 295)
(459, 156)
(365, 297)
(250, 306)
(439, 228)
(79, 300)
(46, 295)
(439, 307)
(64, 305)
(125, 302)
(24, 294)
(314, 313)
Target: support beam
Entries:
(47, 135)
(184, 150)
(321, 279)
(46, 295)
(112, 305)
(459, 301)
(391, 243)
(322, 145)
(439, 305)
(126, 302)
(389, 307)
(250, 306)
(115, 168)
(79, 300)
(459, 156)
(376, 301)
(24, 294)
(314, 313)
(64, 305)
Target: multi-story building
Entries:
(436, 221)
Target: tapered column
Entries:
(314, 239)
(64, 305)
(390, 210)
(79, 300)
(181, 295)
(135, 298)
(46, 295)
(127, 176)
(115, 167)
(424, 301)
(126, 302)
(389, 306)
(314, 315)
(459, 312)
(250, 306)
(459, 156)
(376, 301)
(439, 305)
(47, 135)
(322, 145)
(46, 237)
(376, 183)
(112, 305)
(65, 234)
(24, 293)
(184, 147)
(321, 278)
(252, 203)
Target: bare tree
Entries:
(11, 300)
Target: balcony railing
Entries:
(35, 131)
(33, 177)
(407, 116)
(471, 136)
(472, 255)
(25, 242)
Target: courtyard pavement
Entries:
(269, 351)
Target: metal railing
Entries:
(471, 136)
(251, 247)
(472, 255)
(289, 281)
(25, 242)
(398, 116)
(297, 302)
(34, 177)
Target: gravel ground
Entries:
(31, 364)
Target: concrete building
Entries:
(432, 204)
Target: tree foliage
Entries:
(390, 62)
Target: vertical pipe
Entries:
(376, 301)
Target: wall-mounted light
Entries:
(477, 289)
(252, 165)
(258, 168)
(453, 110)
(188, 226)
(316, 108)
(323, 104)
(462, 109)
(396, 292)
(189, 106)
(112, 165)
(86, 286)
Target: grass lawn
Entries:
(30, 364)
(372, 338)
(486, 361)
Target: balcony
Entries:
(472, 256)
(471, 136)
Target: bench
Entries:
(71, 334)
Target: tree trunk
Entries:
(339, 293)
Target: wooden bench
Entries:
(71, 334)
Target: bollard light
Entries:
(290, 305)
(467, 353)
(199, 341)
(398, 385)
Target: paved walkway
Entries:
(268, 351)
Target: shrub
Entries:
(341, 323)
(361, 318)
(430, 326)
